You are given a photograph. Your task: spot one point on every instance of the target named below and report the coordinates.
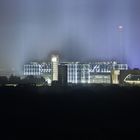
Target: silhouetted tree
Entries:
(28, 80)
(3, 80)
(14, 79)
(33, 80)
(40, 80)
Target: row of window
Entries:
(31, 73)
(31, 69)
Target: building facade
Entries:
(62, 75)
(38, 69)
(129, 77)
(32, 68)
(76, 72)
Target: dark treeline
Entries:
(17, 80)
(71, 109)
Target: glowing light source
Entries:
(54, 59)
(55, 62)
(49, 81)
(120, 28)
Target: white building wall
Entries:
(55, 63)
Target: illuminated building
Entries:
(100, 72)
(72, 72)
(129, 77)
(85, 73)
(54, 64)
(115, 76)
(106, 67)
(38, 69)
(132, 79)
(76, 72)
(101, 78)
(32, 69)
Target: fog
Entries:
(80, 30)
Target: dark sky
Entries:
(78, 29)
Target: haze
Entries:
(80, 30)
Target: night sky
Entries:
(78, 29)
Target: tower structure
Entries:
(54, 64)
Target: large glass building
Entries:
(100, 72)
(77, 73)
(32, 68)
(38, 69)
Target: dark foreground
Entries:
(84, 111)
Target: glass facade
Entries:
(96, 72)
(101, 78)
(78, 72)
(106, 67)
(37, 69)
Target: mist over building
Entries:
(79, 30)
(75, 72)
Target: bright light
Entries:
(83, 81)
(49, 81)
(54, 59)
(120, 27)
